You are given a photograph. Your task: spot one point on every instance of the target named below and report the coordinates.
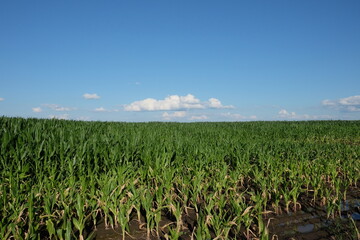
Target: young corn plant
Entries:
(79, 221)
(147, 205)
(202, 231)
(176, 210)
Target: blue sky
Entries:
(180, 60)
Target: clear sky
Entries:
(180, 60)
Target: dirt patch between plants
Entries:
(310, 222)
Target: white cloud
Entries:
(293, 116)
(215, 103)
(351, 104)
(200, 117)
(173, 102)
(179, 114)
(353, 100)
(61, 116)
(327, 102)
(37, 109)
(353, 108)
(91, 96)
(285, 114)
(237, 116)
(169, 116)
(100, 109)
(58, 108)
(2, 99)
(61, 109)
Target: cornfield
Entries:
(210, 180)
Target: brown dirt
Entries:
(310, 222)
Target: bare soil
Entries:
(309, 222)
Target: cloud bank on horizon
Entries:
(190, 108)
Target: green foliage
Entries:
(57, 177)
